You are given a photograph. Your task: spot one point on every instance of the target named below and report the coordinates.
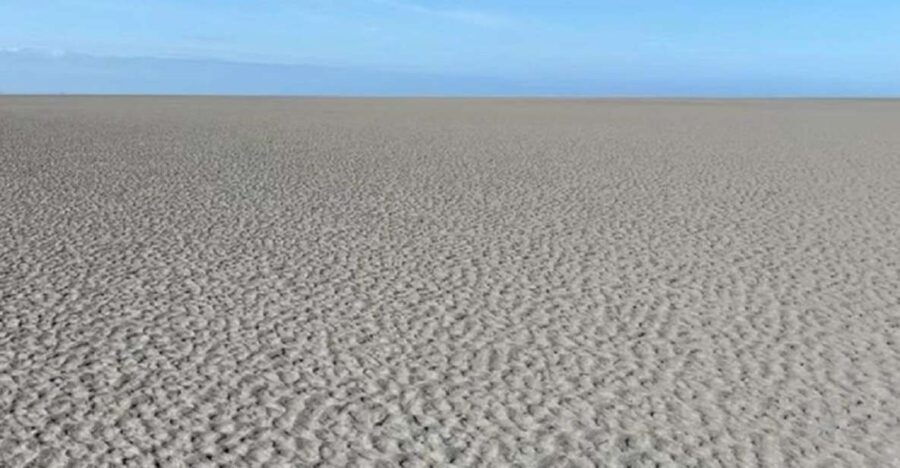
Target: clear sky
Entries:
(651, 47)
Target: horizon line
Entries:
(729, 97)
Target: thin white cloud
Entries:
(468, 16)
(34, 51)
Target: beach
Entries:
(210, 281)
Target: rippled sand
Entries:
(292, 282)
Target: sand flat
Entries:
(422, 282)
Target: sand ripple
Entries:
(262, 282)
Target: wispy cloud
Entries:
(36, 51)
(468, 16)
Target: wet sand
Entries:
(424, 282)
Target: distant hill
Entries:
(43, 72)
(27, 72)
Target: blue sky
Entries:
(611, 47)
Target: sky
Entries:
(443, 47)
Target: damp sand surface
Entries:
(199, 281)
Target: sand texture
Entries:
(194, 282)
